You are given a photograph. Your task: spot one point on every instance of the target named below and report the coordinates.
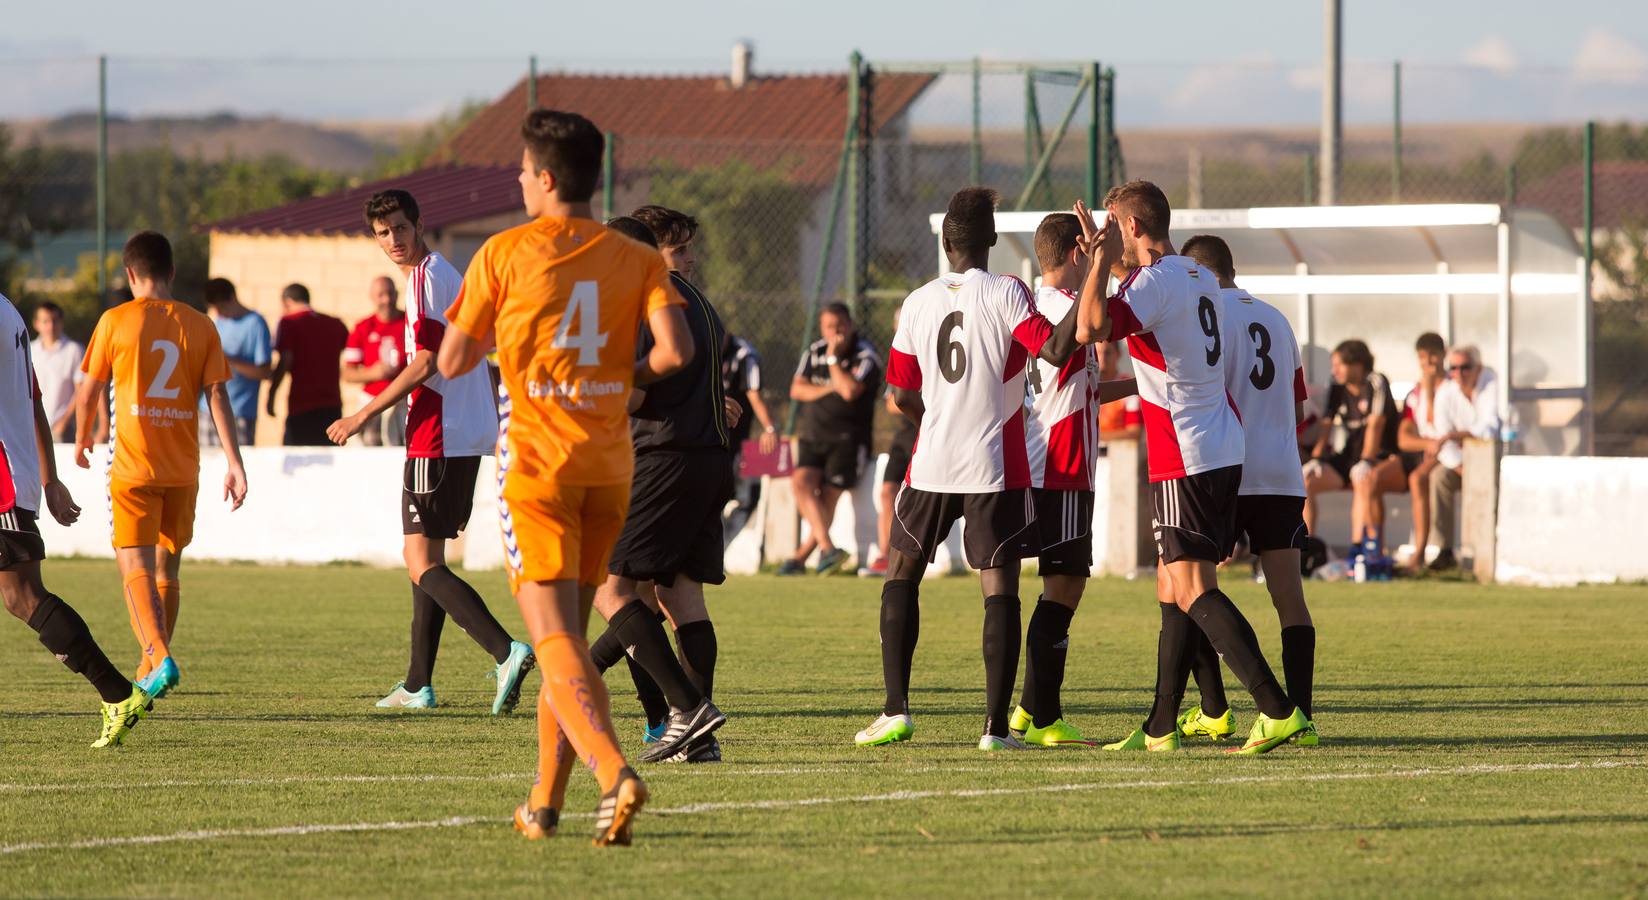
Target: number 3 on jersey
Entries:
(585, 306)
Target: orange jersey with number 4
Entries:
(563, 299)
(159, 355)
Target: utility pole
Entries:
(1332, 65)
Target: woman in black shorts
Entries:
(1359, 431)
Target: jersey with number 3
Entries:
(564, 300)
(962, 342)
(1265, 375)
(1170, 313)
(159, 355)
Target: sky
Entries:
(1213, 61)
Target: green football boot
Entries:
(886, 730)
(1138, 740)
(1268, 733)
(120, 718)
(1195, 723)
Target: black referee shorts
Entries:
(1195, 516)
(437, 495)
(1271, 521)
(1000, 528)
(674, 522)
(842, 461)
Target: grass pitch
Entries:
(1475, 741)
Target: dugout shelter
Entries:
(1509, 280)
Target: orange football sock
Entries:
(555, 758)
(148, 617)
(170, 591)
(578, 697)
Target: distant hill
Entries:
(346, 147)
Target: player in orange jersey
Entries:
(562, 298)
(160, 354)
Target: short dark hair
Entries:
(50, 307)
(218, 290)
(569, 147)
(633, 228)
(1143, 201)
(1355, 351)
(383, 204)
(149, 255)
(837, 309)
(295, 292)
(970, 218)
(1056, 236)
(1431, 342)
(1211, 251)
(671, 227)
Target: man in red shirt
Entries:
(373, 358)
(308, 345)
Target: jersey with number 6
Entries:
(564, 300)
(1170, 313)
(962, 342)
(1063, 429)
(1265, 375)
(159, 355)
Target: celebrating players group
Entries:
(612, 436)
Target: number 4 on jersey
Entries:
(586, 308)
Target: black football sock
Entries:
(1234, 639)
(65, 634)
(427, 621)
(1175, 649)
(1299, 664)
(467, 609)
(1046, 643)
(900, 626)
(644, 640)
(1001, 659)
(696, 649)
(649, 693)
(1210, 678)
(606, 651)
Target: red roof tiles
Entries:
(446, 195)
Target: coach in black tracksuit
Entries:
(672, 535)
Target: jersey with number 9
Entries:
(159, 355)
(563, 299)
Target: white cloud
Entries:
(1606, 58)
(1493, 52)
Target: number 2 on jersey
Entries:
(161, 387)
(585, 306)
(1264, 373)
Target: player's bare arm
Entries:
(1409, 441)
(223, 419)
(672, 350)
(806, 392)
(1105, 246)
(355, 373)
(86, 400)
(769, 433)
(277, 374)
(909, 403)
(58, 501)
(460, 353)
(416, 372)
(1119, 389)
(247, 370)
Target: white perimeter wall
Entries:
(1568, 520)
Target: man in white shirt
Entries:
(57, 365)
(1467, 405)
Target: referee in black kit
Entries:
(672, 535)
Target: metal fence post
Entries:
(1510, 185)
(609, 173)
(1587, 199)
(1098, 150)
(976, 158)
(102, 181)
(1113, 172)
(1396, 132)
(1310, 179)
(855, 175)
(532, 82)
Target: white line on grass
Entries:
(894, 796)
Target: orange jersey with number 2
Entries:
(159, 354)
(563, 299)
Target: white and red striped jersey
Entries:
(962, 342)
(19, 455)
(1061, 427)
(1170, 313)
(444, 417)
(1265, 375)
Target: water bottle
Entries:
(1359, 563)
(1510, 428)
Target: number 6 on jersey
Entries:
(586, 308)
